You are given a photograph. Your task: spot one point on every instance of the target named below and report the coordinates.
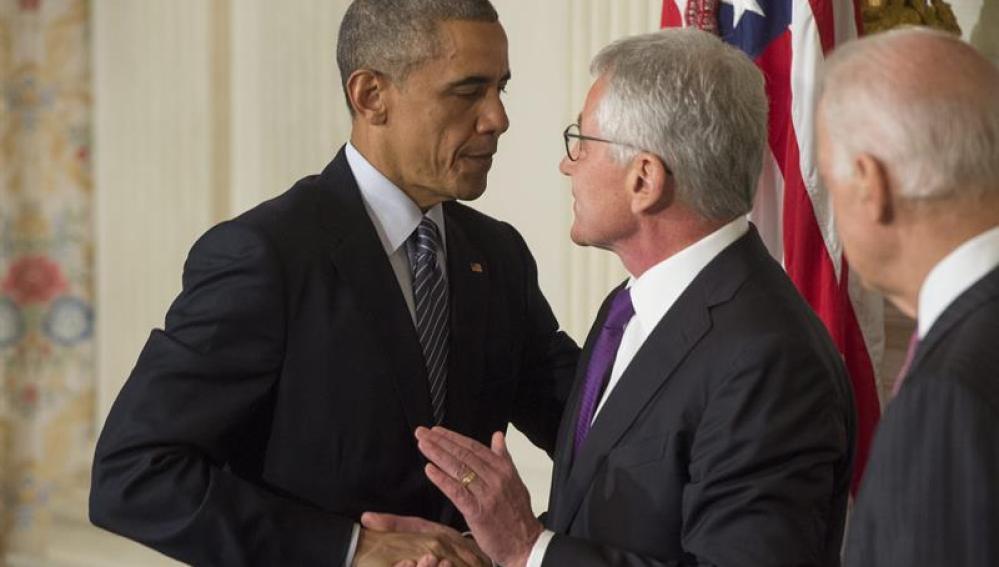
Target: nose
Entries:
(493, 119)
(564, 166)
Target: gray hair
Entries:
(923, 103)
(395, 36)
(697, 103)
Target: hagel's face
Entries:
(601, 211)
(446, 118)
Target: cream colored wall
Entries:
(979, 20)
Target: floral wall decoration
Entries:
(46, 265)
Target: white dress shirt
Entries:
(395, 217)
(652, 294)
(953, 275)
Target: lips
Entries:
(486, 155)
(481, 160)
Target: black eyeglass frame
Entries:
(566, 135)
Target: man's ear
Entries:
(874, 189)
(368, 92)
(650, 184)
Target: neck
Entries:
(386, 162)
(659, 238)
(930, 235)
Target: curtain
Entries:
(46, 257)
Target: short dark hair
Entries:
(394, 36)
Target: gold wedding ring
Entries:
(468, 478)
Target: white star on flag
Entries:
(740, 7)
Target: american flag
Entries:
(789, 39)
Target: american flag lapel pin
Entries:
(476, 267)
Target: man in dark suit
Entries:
(315, 332)
(711, 420)
(910, 153)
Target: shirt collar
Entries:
(393, 213)
(656, 290)
(953, 275)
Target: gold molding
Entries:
(880, 15)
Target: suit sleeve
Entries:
(199, 388)
(767, 456)
(930, 495)
(548, 363)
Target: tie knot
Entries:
(621, 310)
(426, 238)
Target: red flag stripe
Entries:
(862, 376)
(671, 15)
(858, 17)
(825, 20)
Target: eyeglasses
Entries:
(571, 132)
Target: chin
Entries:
(470, 190)
(577, 237)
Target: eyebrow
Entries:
(477, 80)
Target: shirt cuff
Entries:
(540, 547)
(354, 536)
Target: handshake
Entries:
(484, 485)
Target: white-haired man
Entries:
(711, 420)
(909, 148)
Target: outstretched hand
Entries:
(484, 485)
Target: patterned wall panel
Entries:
(46, 264)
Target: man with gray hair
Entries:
(908, 142)
(711, 421)
(317, 331)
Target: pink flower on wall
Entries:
(33, 279)
(30, 5)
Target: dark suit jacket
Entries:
(930, 495)
(280, 400)
(727, 441)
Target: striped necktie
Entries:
(430, 297)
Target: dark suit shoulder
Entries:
(745, 285)
(317, 213)
(288, 211)
(767, 311)
(966, 356)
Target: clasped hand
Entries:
(485, 487)
(399, 541)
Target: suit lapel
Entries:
(676, 334)
(668, 344)
(468, 281)
(359, 260)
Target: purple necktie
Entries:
(602, 360)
